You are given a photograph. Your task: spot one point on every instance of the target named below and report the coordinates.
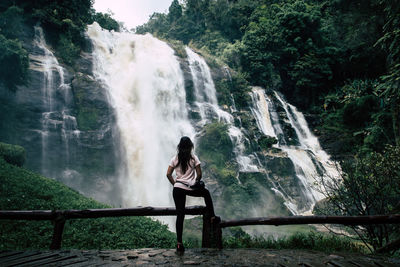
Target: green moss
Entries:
(87, 118)
(250, 197)
(88, 113)
(215, 144)
(266, 142)
(281, 167)
(67, 50)
(21, 189)
(223, 91)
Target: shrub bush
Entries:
(106, 21)
(266, 142)
(13, 154)
(311, 240)
(13, 62)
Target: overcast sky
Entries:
(132, 12)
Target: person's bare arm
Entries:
(198, 173)
(169, 175)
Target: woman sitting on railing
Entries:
(188, 182)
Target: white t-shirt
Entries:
(189, 177)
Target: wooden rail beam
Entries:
(35, 215)
(96, 213)
(345, 220)
(59, 217)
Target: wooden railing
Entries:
(290, 220)
(59, 217)
(212, 232)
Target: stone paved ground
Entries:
(198, 257)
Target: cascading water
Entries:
(261, 111)
(205, 96)
(146, 89)
(309, 160)
(57, 121)
(206, 101)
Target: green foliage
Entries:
(288, 39)
(158, 25)
(240, 90)
(13, 57)
(12, 154)
(358, 117)
(14, 62)
(357, 113)
(232, 54)
(179, 48)
(64, 22)
(21, 189)
(67, 50)
(215, 144)
(106, 21)
(222, 87)
(311, 240)
(87, 118)
(174, 11)
(88, 113)
(201, 18)
(369, 186)
(266, 142)
(390, 41)
(11, 22)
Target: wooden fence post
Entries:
(216, 235)
(212, 233)
(205, 242)
(59, 223)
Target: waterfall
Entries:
(207, 104)
(204, 89)
(57, 121)
(261, 112)
(308, 158)
(146, 88)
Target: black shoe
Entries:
(180, 249)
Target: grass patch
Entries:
(21, 189)
(311, 240)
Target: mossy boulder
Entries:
(91, 107)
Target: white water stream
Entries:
(57, 99)
(146, 89)
(206, 101)
(308, 158)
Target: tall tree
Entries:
(390, 41)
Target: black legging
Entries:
(179, 195)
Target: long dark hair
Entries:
(185, 147)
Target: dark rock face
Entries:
(63, 120)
